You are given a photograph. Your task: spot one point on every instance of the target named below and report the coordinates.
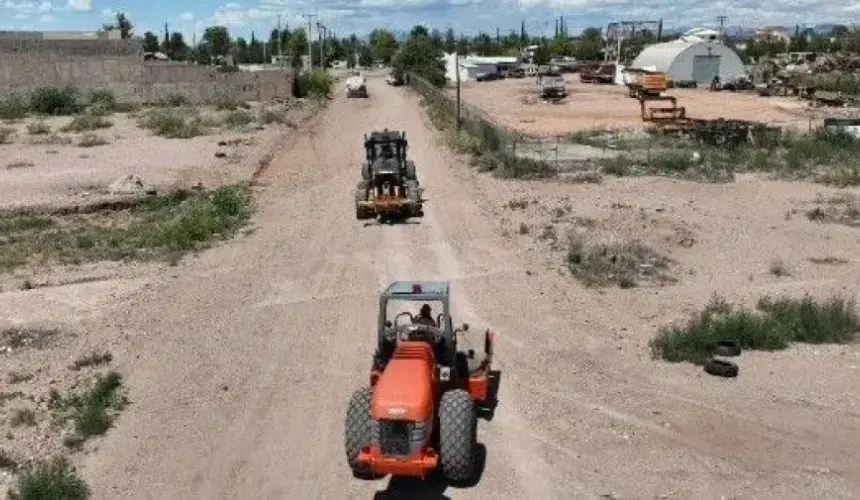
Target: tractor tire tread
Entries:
(458, 424)
(358, 429)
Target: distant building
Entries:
(471, 66)
(689, 60)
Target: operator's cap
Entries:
(425, 308)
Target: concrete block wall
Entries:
(117, 65)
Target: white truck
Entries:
(356, 86)
(552, 86)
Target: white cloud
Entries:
(46, 6)
(81, 5)
(47, 18)
(21, 16)
(186, 16)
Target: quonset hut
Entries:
(692, 59)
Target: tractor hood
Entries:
(405, 389)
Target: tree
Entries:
(420, 56)
(217, 40)
(255, 51)
(384, 45)
(418, 30)
(450, 41)
(150, 42)
(297, 47)
(178, 49)
(590, 46)
(124, 25)
(365, 57)
(240, 51)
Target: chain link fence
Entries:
(507, 152)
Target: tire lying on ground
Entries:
(458, 427)
(721, 368)
(726, 348)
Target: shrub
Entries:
(84, 123)
(174, 100)
(173, 124)
(624, 265)
(103, 98)
(317, 83)
(55, 101)
(13, 107)
(238, 118)
(92, 140)
(54, 480)
(6, 134)
(775, 325)
(38, 128)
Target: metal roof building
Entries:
(692, 60)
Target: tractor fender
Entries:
(410, 170)
(365, 171)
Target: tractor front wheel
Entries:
(358, 430)
(458, 428)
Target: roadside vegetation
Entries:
(56, 479)
(625, 265)
(825, 157)
(317, 84)
(775, 324)
(160, 228)
(173, 116)
(91, 411)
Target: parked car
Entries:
(516, 73)
(487, 76)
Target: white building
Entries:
(692, 60)
(471, 66)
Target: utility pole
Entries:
(280, 53)
(722, 20)
(320, 40)
(457, 71)
(310, 59)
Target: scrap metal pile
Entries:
(721, 132)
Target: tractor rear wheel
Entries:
(358, 430)
(410, 170)
(458, 428)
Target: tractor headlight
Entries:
(444, 373)
(418, 432)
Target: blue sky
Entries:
(360, 16)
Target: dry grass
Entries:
(6, 135)
(22, 417)
(92, 359)
(625, 265)
(840, 209)
(92, 140)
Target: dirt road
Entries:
(242, 361)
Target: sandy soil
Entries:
(35, 174)
(240, 363)
(514, 103)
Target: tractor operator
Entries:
(425, 317)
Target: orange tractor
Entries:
(420, 412)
